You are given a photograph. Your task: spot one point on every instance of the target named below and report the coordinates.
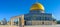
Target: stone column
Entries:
(22, 20)
(19, 21)
(12, 21)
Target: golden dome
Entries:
(37, 6)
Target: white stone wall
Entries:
(40, 22)
(32, 26)
(43, 26)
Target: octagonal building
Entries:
(37, 16)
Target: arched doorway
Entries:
(42, 23)
(24, 22)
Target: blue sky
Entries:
(9, 8)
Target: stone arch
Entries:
(20, 20)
